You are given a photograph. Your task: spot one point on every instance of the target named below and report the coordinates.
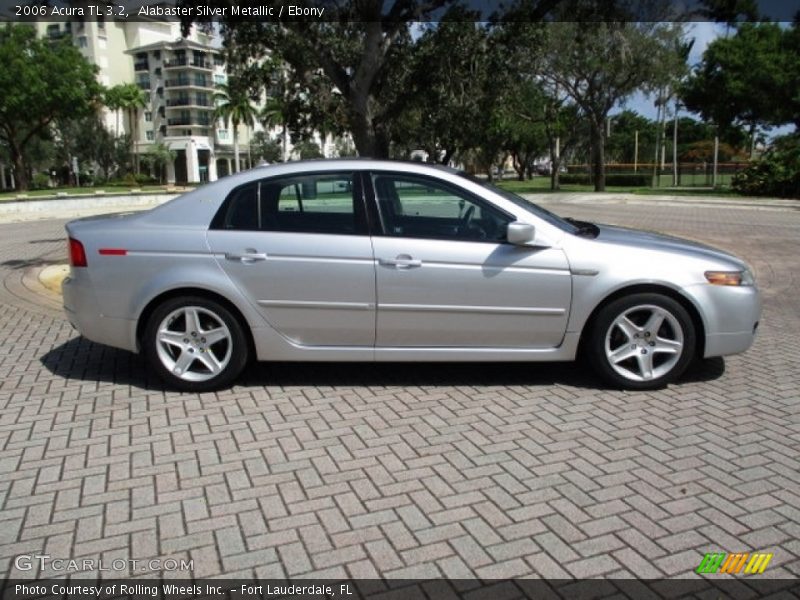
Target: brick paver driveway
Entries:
(405, 471)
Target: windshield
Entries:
(532, 208)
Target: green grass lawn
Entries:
(541, 185)
(82, 191)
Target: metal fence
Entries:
(690, 174)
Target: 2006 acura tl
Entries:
(362, 260)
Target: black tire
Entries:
(230, 353)
(612, 339)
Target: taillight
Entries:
(77, 255)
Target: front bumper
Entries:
(731, 315)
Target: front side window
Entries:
(322, 203)
(421, 207)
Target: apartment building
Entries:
(178, 75)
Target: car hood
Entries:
(649, 240)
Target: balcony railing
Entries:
(141, 65)
(175, 63)
(189, 101)
(143, 85)
(202, 82)
(184, 121)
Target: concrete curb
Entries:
(30, 210)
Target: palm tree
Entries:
(274, 114)
(112, 98)
(159, 156)
(234, 105)
(131, 98)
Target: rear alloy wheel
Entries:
(642, 341)
(195, 344)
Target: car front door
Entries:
(298, 248)
(446, 277)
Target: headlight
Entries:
(730, 277)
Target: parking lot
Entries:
(404, 471)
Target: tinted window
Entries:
(324, 203)
(412, 206)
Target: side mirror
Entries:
(520, 233)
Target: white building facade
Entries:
(178, 76)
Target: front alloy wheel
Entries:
(642, 341)
(195, 344)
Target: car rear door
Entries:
(297, 246)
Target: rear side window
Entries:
(322, 203)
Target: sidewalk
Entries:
(740, 202)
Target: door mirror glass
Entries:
(520, 233)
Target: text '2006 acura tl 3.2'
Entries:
(365, 260)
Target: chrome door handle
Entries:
(403, 261)
(246, 257)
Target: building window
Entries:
(219, 79)
(150, 135)
(222, 134)
(148, 116)
(218, 60)
(83, 42)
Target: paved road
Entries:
(404, 471)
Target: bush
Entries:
(629, 179)
(143, 179)
(40, 181)
(574, 178)
(777, 173)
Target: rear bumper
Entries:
(83, 312)
(723, 344)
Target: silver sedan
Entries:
(362, 260)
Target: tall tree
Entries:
(130, 98)
(362, 49)
(87, 139)
(235, 106)
(112, 98)
(599, 64)
(749, 78)
(40, 81)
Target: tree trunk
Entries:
(598, 155)
(370, 141)
(236, 148)
(519, 167)
(675, 146)
(285, 142)
(20, 171)
(136, 140)
(555, 162)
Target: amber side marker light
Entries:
(729, 277)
